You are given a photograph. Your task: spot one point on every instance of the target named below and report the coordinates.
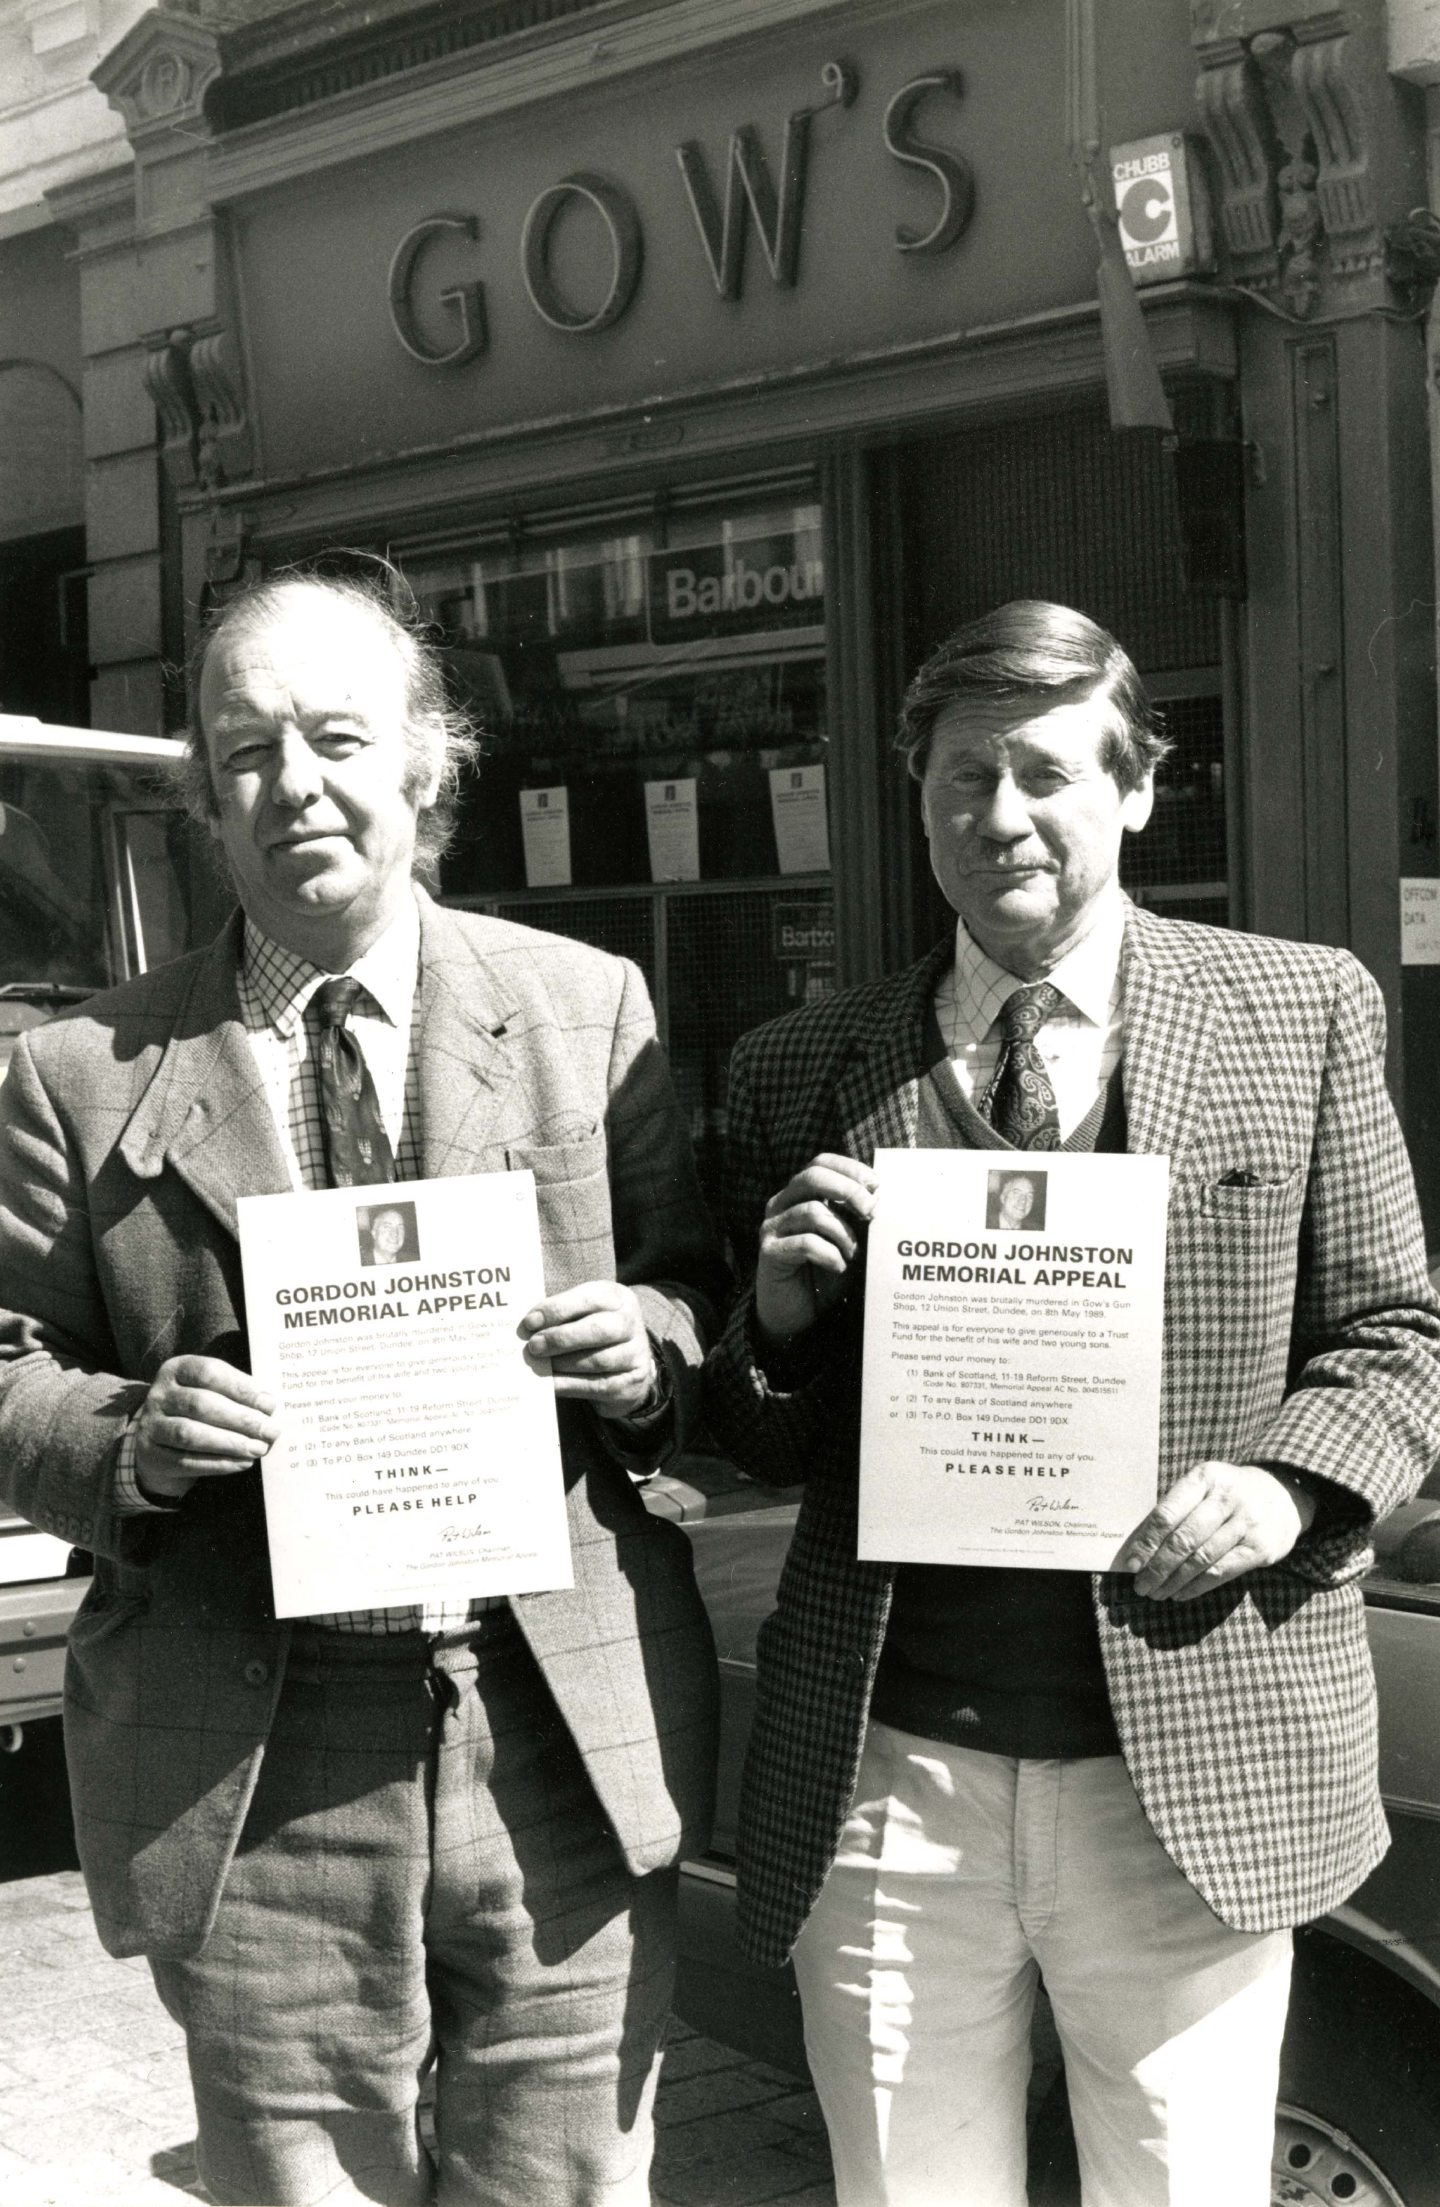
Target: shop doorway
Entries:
(1058, 506)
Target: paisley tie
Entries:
(357, 1148)
(1020, 1103)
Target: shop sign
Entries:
(802, 933)
(749, 200)
(709, 590)
(1161, 204)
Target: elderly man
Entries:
(961, 1779)
(372, 1838)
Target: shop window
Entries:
(653, 710)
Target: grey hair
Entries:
(435, 729)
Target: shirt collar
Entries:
(281, 982)
(1087, 976)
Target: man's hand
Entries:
(593, 1338)
(202, 1419)
(808, 1243)
(1215, 1524)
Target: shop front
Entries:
(699, 368)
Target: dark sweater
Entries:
(988, 1656)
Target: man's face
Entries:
(304, 716)
(1016, 1198)
(1024, 822)
(387, 1233)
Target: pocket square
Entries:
(1240, 1178)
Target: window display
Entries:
(652, 703)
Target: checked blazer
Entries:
(1300, 1329)
(127, 1130)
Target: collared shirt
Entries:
(1080, 1044)
(277, 988)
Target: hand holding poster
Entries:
(419, 1454)
(1014, 1315)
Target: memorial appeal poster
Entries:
(419, 1455)
(1014, 1322)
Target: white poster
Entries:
(545, 825)
(1420, 921)
(419, 1454)
(797, 806)
(672, 823)
(1014, 1318)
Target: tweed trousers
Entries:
(425, 1875)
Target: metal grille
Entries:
(1056, 507)
(1184, 845)
(1181, 904)
(1059, 507)
(624, 925)
(726, 976)
(717, 964)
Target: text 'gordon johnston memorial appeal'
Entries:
(1014, 1311)
(419, 1453)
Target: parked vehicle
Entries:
(1359, 2116)
(98, 880)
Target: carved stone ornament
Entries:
(1241, 134)
(158, 74)
(229, 564)
(1297, 206)
(199, 393)
(164, 84)
(223, 453)
(167, 379)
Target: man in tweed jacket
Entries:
(960, 1779)
(350, 1842)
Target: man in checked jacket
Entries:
(961, 1779)
(358, 1843)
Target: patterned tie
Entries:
(357, 1148)
(1020, 1103)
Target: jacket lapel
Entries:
(205, 1113)
(877, 1096)
(469, 1056)
(1170, 1025)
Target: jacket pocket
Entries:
(580, 1156)
(572, 1194)
(1260, 1203)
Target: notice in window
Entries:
(1420, 921)
(419, 1455)
(672, 824)
(1014, 1315)
(797, 805)
(545, 824)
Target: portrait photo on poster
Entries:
(1015, 1202)
(387, 1233)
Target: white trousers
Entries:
(961, 1879)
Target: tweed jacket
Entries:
(1300, 1329)
(127, 1130)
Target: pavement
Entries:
(95, 2107)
